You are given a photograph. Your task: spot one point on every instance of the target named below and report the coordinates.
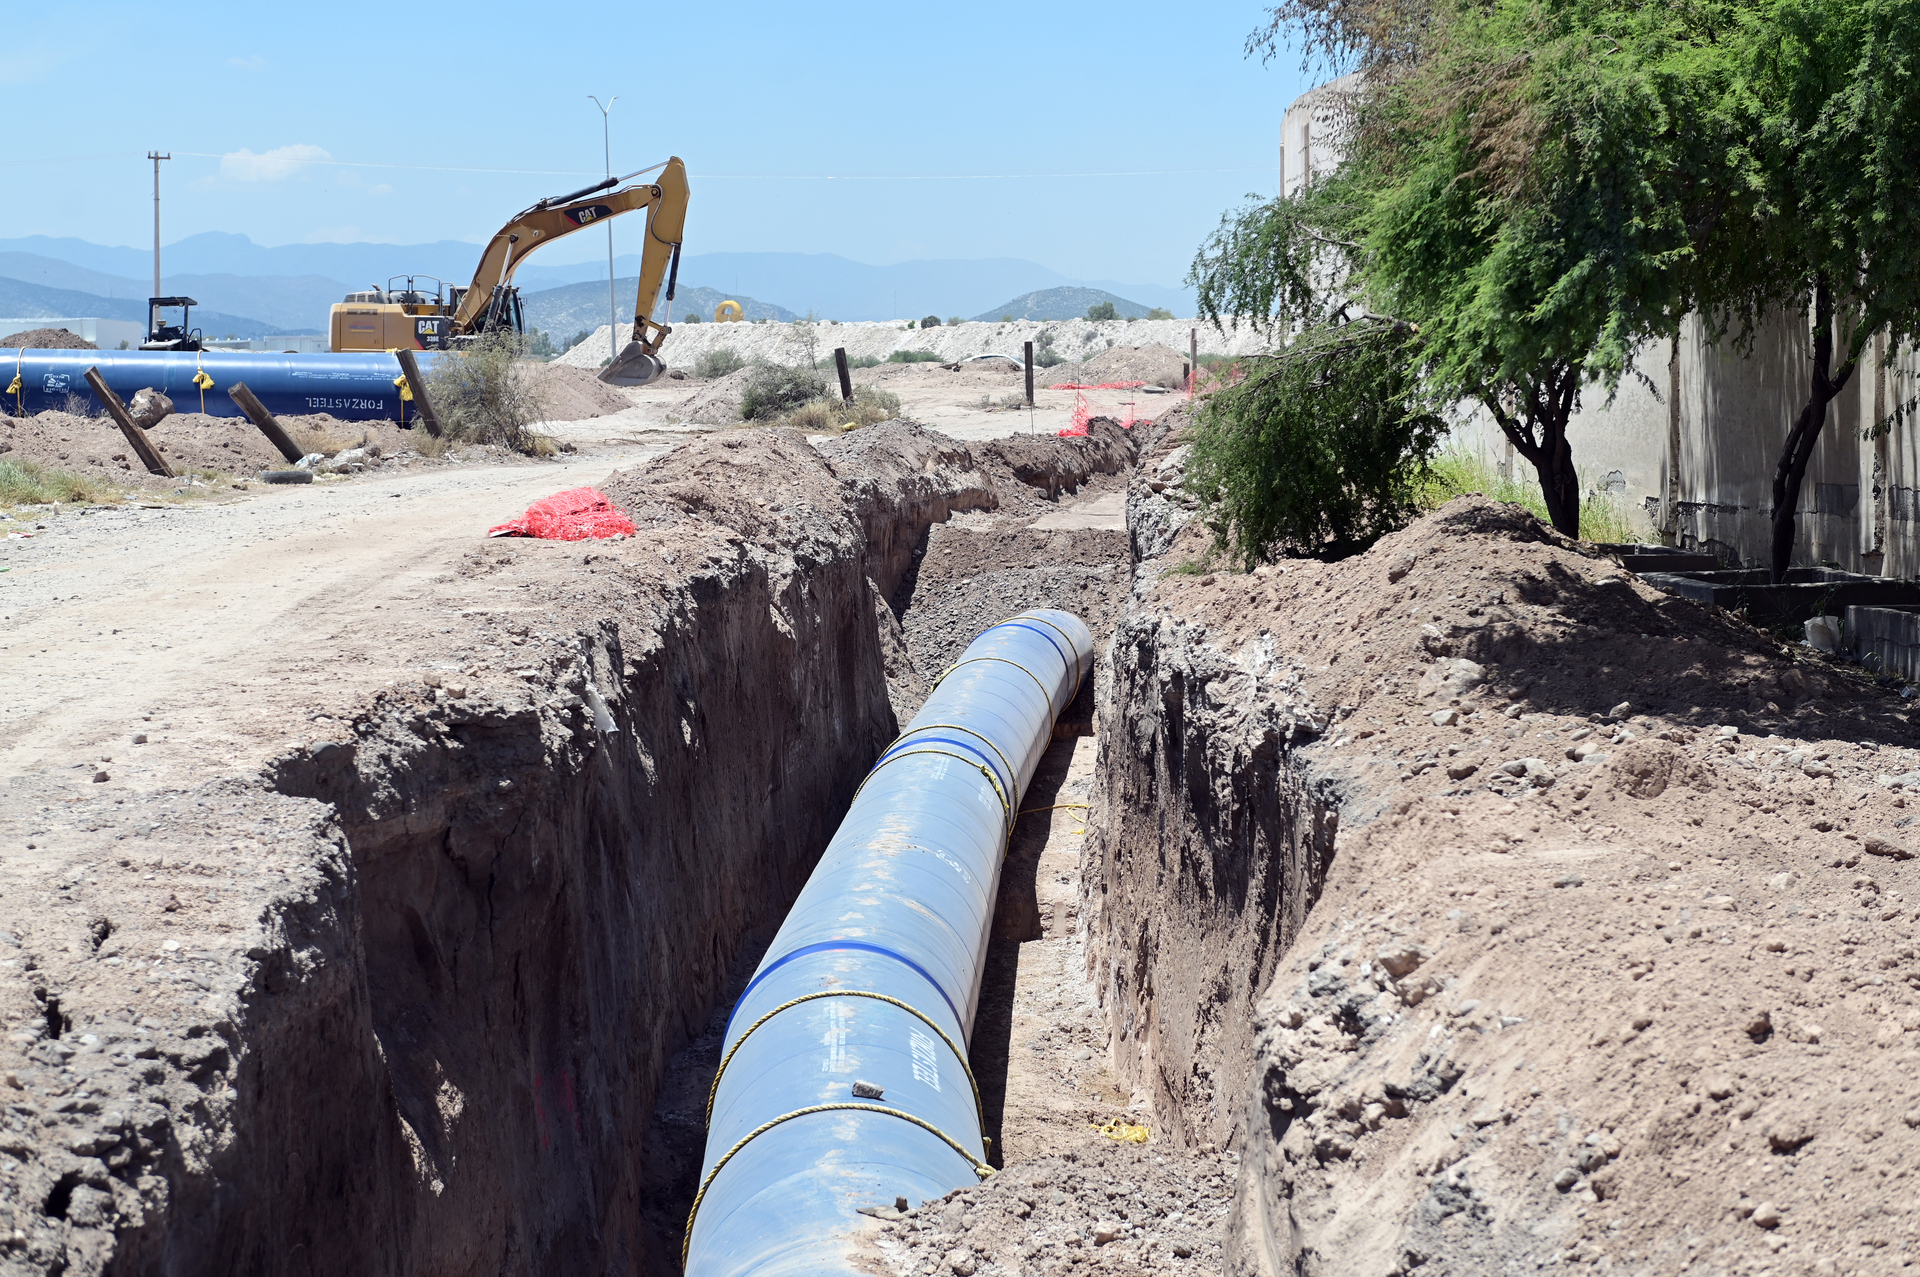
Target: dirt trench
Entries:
(1501, 913)
(440, 956)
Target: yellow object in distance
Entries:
(728, 312)
(1125, 1132)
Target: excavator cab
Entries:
(164, 336)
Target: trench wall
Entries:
(516, 901)
(1207, 842)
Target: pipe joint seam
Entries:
(999, 790)
(953, 727)
(980, 1168)
(1053, 714)
(958, 1054)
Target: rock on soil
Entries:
(46, 339)
(1504, 913)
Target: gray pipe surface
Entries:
(844, 1079)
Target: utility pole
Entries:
(156, 157)
(613, 309)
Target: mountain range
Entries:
(290, 286)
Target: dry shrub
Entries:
(482, 396)
(25, 483)
(312, 439)
(830, 415)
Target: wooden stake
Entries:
(155, 463)
(418, 384)
(1193, 352)
(1029, 374)
(258, 414)
(846, 379)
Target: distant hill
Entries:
(21, 300)
(1063, 303)
(562, 312)
(292, 301)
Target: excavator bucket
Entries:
(633, 366)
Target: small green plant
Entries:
(718, 362)
(1044, 355)
(955, 321)
(122, 346)
(483, 398)
(1006, 319)
(931, 321)
(830, 413)
(1159, 312)
(691, 317)
(913, 357)
(1102, 310)
(27, 483)
(773, 390)
(862, 361)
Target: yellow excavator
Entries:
(451, 316)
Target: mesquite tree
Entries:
(1829, 100)
(1532, 190)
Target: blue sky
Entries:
(1101, 140)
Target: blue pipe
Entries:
(356, 386)
(874, 978)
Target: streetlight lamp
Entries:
(606, 133)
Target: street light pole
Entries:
(156, 157)
(613, 312)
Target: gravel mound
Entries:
(94, 447)
(46, 339)
(574, 394)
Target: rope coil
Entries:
(958, 1054)
(980, 1168)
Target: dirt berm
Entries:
(397, 999)
(1503, 913)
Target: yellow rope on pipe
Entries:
(1006, 804)
(955, 727)
(958, 1054)
(980, 1168)
(1059, 807)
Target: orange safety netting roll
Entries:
(578, 514)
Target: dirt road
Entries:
(213, 629)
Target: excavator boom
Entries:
(639, 360)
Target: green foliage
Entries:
(1456, 473)
(718, 362)
(862, 361)
(773, 390)
(1159, 312)
(691, 317)
(577, 338)
(26, 483)
(1006, 319)
(1320, 450)
(1539, 190)
(954, 321)
(913, 357)
(1044, 355)
(482, 397)
(1102, 310)
(537, 345)
(931, 321)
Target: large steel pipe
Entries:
(844, 1079)
(351, 387)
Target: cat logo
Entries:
(589, 213)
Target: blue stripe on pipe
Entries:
(1064, 662)
(942, 740)
(827, 946)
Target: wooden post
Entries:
(418, 384)
(258, 414)
(155, 463)
(846, 379)
(1193, 354)
(1029, 374)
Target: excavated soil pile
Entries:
(94, 446)
(714, 403)
(567, 393)
(1155, 365)
(397, 995)
(46, 339)
(1504, 912)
